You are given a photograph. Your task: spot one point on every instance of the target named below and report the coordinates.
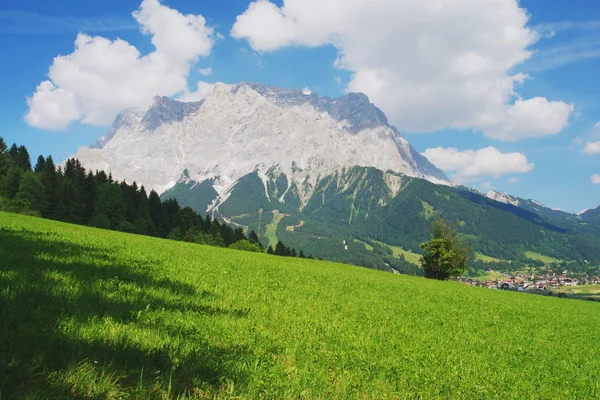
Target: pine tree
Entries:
(40, 165)
(14, 154)
(23, 159)
(302, 254)
(110, 204)
(253, 237)
(5, 163)
(156, 214)
(89, 198)
(31, 190)
(142, 222)
(270, 250)
(50, 181)
(9, 184)
(281, 250)
(78, 210)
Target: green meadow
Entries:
(93, 314)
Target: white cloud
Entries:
(514, 180)
(414, 62)
(52, 107)
(338, 79)
(205, 71)
(102, 77)
(476, 164)
(597, 125)
(203, 89)
(592, 148)
(595, 179)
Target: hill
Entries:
(387, 210)
(88, 313)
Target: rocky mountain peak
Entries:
(246, 127)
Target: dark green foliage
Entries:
(9, 184)
(31, 190)
(51, 182)
(23, 159)
(110, 204)
(282, 250)
(40, 166)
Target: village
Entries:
(547, 282)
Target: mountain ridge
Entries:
(245, 127)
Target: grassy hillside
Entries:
(87, 313)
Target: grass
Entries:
(367, 245)
(487, 259)
(428, 211)
(491, 276)
(582, 291)
(540, 257)
(91, 314)
(397, 251)
(271, 232)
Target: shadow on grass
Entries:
(52, 290)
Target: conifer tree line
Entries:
(72, 194)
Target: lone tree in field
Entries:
(445, 255)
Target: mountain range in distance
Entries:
(315, 172)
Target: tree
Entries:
(9, 184)
(23, 159)
(445, 255)
(246, 245)
(31, 191)
(5, 161)
(270, 250)
(281, 250)
(51, 183)
(109, 205)
(40, 165)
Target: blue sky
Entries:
(551, 167)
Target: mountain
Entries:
(316, 173)
(530, 205)
(591, 216)
(585, 222)
(239, 129)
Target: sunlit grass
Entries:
(540, 257)
(87, 313)
(271, 229)
(487, 259)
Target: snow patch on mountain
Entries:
(238, 129)
(503, 198)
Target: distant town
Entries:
(564, 283)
